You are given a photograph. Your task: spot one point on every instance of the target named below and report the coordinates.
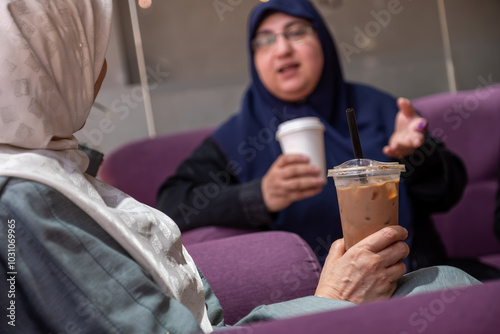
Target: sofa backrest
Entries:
(468, 123)
(152, 160)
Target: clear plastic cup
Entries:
(368, 196)
(305, 136)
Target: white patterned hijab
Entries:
(51, 53)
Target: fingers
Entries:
(395, 272)
(286, 159)
(299, 170)
(418, 123)
(294, 165)
(394, 254)
(389, 152)
(383, 238)
(405, 106)
(301, 183)
(421, 124)
(289, 179)
(337, 249)
(403, 143)
(330, 284)
(362, 275)
(296, 174)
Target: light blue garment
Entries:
(420, 281)
(73, 277)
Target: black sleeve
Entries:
(206, 191)
(435, 177)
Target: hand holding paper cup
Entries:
(305, 136)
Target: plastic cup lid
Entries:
(365, 166)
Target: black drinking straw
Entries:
(356, 143)
(353, 130)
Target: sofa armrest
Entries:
(471, 309)
(249, 270)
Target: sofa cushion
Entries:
(467, 229)
(255, 269)
(207, 233)
(139, 168)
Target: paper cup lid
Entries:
(365, 166)
(299, 124)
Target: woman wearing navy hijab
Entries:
(239, 177)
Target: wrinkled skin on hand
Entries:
(368, 271)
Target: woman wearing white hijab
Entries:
(52, 53)
(79, 255)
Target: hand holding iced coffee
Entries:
(355, 275)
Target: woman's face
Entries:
(290, 70)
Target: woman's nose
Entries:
(282, 46)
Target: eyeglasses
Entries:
(294, 34)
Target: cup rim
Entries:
(299, 124)
(358, 166)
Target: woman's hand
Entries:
(290, 178)
(368, 271)
(408, 132)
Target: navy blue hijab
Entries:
(248, 137)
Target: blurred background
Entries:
(177, 65)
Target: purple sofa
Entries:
(248, 269)
(468, 123)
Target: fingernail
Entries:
(422, 125)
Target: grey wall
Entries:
(118, 114)
(198, 67)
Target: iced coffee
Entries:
(368, 197)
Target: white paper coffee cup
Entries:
(305, 136)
